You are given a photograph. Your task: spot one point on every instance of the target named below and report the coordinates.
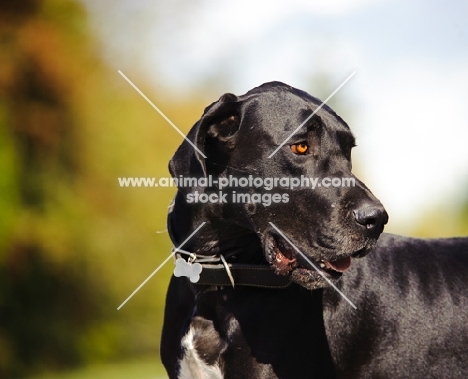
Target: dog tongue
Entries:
(341, 265)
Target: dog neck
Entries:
(229, 254)
(236, 243)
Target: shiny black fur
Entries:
(410, 294)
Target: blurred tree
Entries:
(73, 244)
(42, 305)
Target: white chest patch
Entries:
(192, 366)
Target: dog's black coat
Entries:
(412, 307)
(411, 295)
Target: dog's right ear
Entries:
(214, 135)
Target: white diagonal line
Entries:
(312, 115)
(313, 265)
(161, 113)
(161, 265)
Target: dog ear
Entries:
(220, 121)
(214, 135)
(217, 133)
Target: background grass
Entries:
(147, 368)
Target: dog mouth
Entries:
(286, 260)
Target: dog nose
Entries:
(371, 217)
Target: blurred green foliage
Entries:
(73, 244)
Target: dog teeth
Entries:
(322, 264)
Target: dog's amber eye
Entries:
(299, 148)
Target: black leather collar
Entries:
(215, 271)
(260, 276)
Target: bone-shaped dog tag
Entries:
(190, 270)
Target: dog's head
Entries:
(294, 204)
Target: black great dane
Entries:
(275, 267)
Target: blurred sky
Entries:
(407, 102)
